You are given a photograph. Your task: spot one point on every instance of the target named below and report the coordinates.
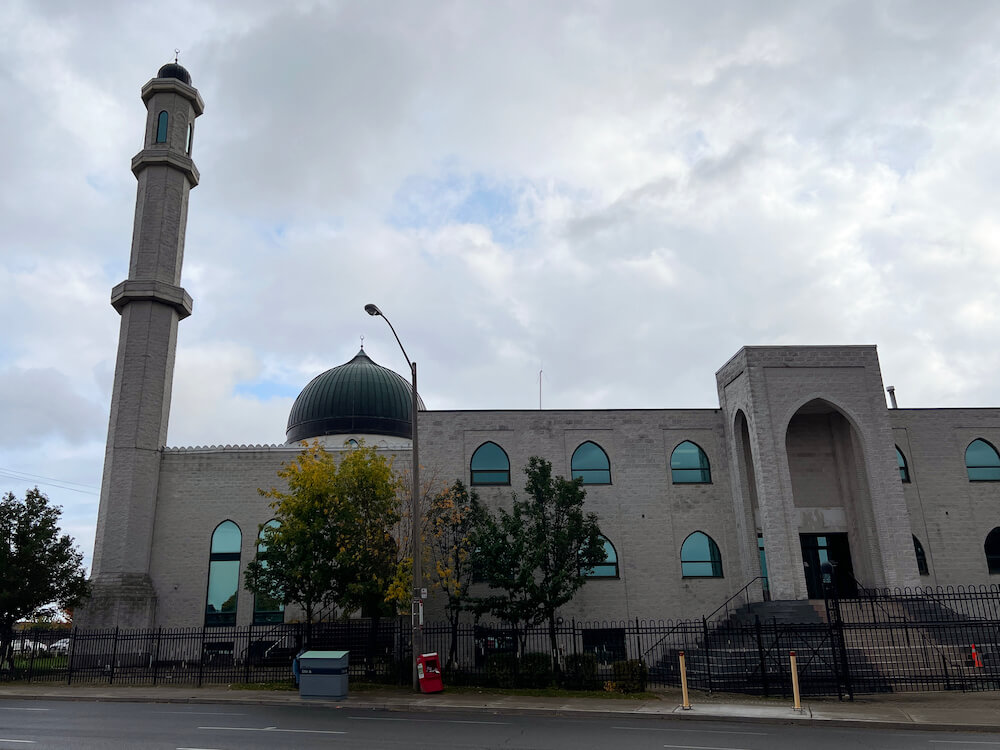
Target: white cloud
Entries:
(621, 196)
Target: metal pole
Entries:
(417, 615)
(416, 605)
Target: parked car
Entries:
(27, 647)
(60, 647)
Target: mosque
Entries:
(801, 463)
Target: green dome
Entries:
(359, 397)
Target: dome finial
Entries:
(362, 342)
(177, 54)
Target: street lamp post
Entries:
(416, 617)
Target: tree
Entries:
(449, 540)
(333, 543)
(40, 569)
(532, 556)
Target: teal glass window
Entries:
(223, 575)
(490, 465)
(982, 462)
(689, 465)
(266, 609)
(700, 557)
(918, 550)
(161, 127)
(992, 548)
(904, 470)
(608, 568)
(591, 464)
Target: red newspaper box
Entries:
(429, 673)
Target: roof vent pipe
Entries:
(892, 396)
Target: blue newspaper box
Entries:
(323, 674)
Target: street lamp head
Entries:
(372, 309)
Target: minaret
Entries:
(150, 302)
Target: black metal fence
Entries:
(881, 641)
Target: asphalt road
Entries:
(38, 725)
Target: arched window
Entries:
(982, 462)
(591, 463)
(608, 568)
(700, 557)
(190, 143)
(161, 127)
(918, 550)
(266, 609)
(689, 465)
(490, 465)
(904, 470)
(223, 575)
(992, 548)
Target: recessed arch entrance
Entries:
(831, 496)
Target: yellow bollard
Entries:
(795, 680)
(686, 704)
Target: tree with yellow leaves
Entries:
(449, 528)
(333, 543)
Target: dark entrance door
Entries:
(834, 549)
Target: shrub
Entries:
(581, 672)
(630, 676)
(501, 670)
(536, 670)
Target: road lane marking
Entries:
(274, 729)
(961, 742)
(434, 721)
(27, 742)
(197, 748)
(201, 713)
(706, 731)
(5, 708)
(702, 747)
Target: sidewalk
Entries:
(976, 712)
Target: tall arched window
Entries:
(608, 568)
(490, 465)
(161, 127)
(918, 550)
(190, 141)
(689, 465)
(223, 575)
(982, 462)
(992, 549)
(904, 470)
(266, 609)
(700, 557)
(591, 463)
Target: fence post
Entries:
(708, 653)
(246, 654)
(34, 650)
(156, 653)
(685, 700)
(114, 658)
(69, 656)
(795, 680)
(201, 656)
(760, 656)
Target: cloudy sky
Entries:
(617, 194)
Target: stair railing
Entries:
(744, 592)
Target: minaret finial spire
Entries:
(177, 54)
(362, 342)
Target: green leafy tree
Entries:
(333, 542)
(41, 570)
(532, 555)
(449, 540)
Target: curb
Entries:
(403, 705)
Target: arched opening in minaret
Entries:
(161, 127)
(748, 492)
(831, 496)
